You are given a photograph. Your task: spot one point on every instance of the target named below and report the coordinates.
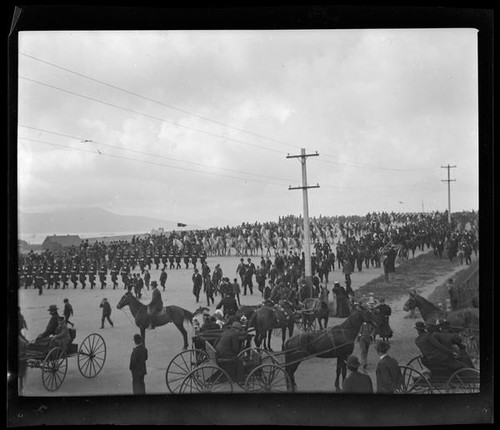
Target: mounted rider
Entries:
(156, 304)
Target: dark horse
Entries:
(336, 342)
(460, 319)
(267, 318)
(173, 313)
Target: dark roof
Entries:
(68, 240)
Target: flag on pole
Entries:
(180, 224)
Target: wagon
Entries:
(53, 362)
(199, 370)
(419, 379)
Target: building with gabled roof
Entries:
(60, 242)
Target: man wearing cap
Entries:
(435, 354)
(106, 312)
(388, 374)
(197, 283)
(51, 326)
(137, 365)
(366, 336)
(228, 348)
(156, 304)
(356, 382)
(228, 305)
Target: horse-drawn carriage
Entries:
(420, 378)
(53, 361)
(200, 370)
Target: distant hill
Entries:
(89, 220)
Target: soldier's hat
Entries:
(420, 325)
(154, 284)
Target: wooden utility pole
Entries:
(307, 240)
(449, 189)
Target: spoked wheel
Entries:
(310, 323)
(181, 365)
(299, 321)
(414, 382)
(268, 378)
(471, 343)
(91, 355)
(54, 369)
(207, 378)
(464, 381)
(416, 363)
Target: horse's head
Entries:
(411, 303)
(124, 301)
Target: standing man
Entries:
(356, 382)
(106, 312)
(197, 282)
(137, 365)
(114, 276)
(147, 277)
(163, 278)
(388, 374)
(102, 276)
(366, 336)
(156, 304)
(236, 290)
(247, 277)
(240, 270)
(68, 312)
(347, 269)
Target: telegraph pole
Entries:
(449, 189)
(307, 241)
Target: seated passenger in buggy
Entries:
(42, 342)
(437, 357)
(228, 348)
(62, 337)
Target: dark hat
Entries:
(154, 284)
(383, 347)
(52, 308)
(65, 300)
(137, 338)
(352, 361)
(60, 319)
(237, 325)
(419, 325)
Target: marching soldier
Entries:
(171, 259)
(83, 276)
(186, 259)
(64, 277)
(194, 259)
(114, 276)
(102, 276)
(74, 276)
(39, 282)
(92, 277)
(56, 277)
(156, 260)
(178, 260)
(48, 277)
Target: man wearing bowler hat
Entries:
(388, 374)
(228, 348)
(356, 382)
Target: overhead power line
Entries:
(150, 116)
(154, 155)
(107, 84)
(151, 162)
(354, 164)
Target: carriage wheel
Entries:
(268, 378)
(464, 381)
(471, 343)
(299, 321)
(414, 382)
(416, 363)
(207, 378)
(181, 365)
(91, 355)
(54, 369)
(258, 356)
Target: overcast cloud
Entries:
(385, 109)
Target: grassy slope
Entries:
(413, 274)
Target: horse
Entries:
(460, 319)
(168, 314)
(267, 318)
(336, 342)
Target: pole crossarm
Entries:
(303, 188)
(449, 189)
(303, 155)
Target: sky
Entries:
(197, 125)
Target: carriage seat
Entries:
(72, 334)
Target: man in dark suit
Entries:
(197, 283)
(356, 382)
(388, 374)
(156, 304)
(138, 365)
